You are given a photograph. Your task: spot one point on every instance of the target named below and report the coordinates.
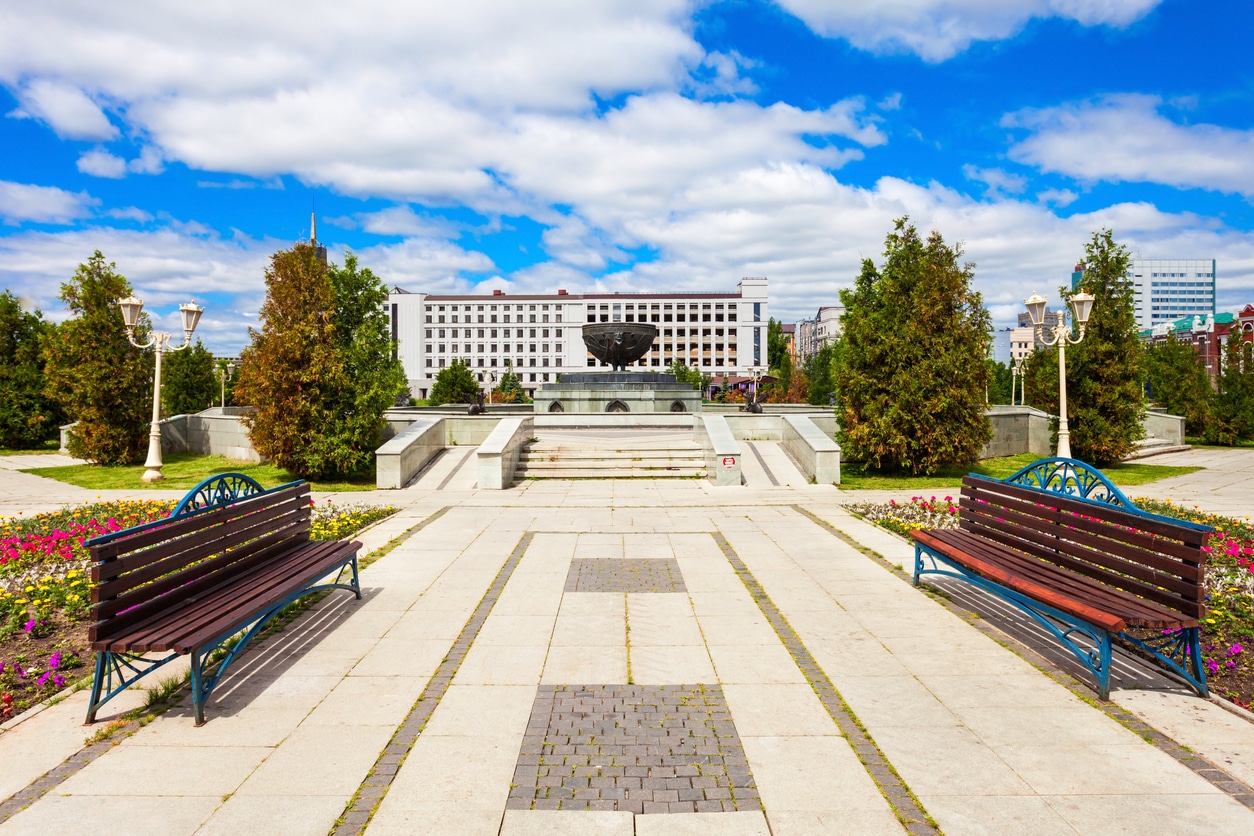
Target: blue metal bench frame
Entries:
(1177, 650)
(115, 671)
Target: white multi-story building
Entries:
(813, 334)
(1168, 288)
(539, 336)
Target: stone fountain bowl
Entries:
(619, 343)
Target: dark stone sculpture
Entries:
(477, 408)
(619, 343)
(752, 404)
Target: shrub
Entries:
(453, 384)
(27, 416)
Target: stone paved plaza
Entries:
(639, 657)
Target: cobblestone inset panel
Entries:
(639, 748)
(619, 574)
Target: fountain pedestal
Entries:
(635, 392)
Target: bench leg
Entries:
(918, 563)
(1103, 672)
(198, 687)
(117, 671)
(1194, 638)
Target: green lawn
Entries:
(854, 477)
(182, 472)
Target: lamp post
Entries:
(1018, 369)
(224, 373)
(1060, 335)
(131, 308)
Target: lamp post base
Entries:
(152, 475)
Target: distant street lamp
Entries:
(1018, 369)
(1060, 335)
(224, 373)
(131, 308)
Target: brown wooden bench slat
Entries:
(1103, 559)
(168, 591)
(165, 555)
(1099, 510)
(158, 631)
(1040, 592)
(167, 530)
(1170, 554)
(1133, 610)
(1072, 556)
(233, 602)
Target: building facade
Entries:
(539, 336)
(813, 334)
(1167, 289)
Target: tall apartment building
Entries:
(813, 334)
(539, 336)
(1168, 288)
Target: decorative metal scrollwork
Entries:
(221, 489)
(1071, 477)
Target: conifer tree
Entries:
(911, 373)
(101, 380)
(1105, 403)
(1179, 382)
(188, 384)
(27, 416)
(320, 373)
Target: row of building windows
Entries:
(492, 318)
(557, 332)
(1181, 284)
(1181, 275)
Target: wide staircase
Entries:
(612, 454)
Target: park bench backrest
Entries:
(1143, 554)
(155, 567)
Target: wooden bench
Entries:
(1064, 545)
(228, 558)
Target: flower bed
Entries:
(45, 592)
(1227, 629)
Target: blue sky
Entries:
(617, 145)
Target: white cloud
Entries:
(996, 180)
(130, 213)
(64, 108)
(397, 220)
(41, 204)
(939, 29)
(1125, 138)
(100, 163)
(1058, 197)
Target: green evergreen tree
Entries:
(320, 373)
(510, 388)
(1178, 382)
(911, 373)
(1232, 413)
(187, 381)
(27, 416)
(101, 380)
(1105, 402)
(454, 384)
(776, 345)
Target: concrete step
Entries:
(1154, 447)
(525, 472)
(610, 456)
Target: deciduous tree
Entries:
(1178, 382)
(1232, 415)
(101, 380)
(911, 374)
(453, 384)
(28, 417)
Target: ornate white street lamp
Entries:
(131, 308)
(224, 374)
(1060, 335)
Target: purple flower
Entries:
(43, 679)
(1235, 650)
(54, 661)
(30, 625)
(1212, 666)
(58, 681)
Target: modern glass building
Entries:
(1168, 288)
